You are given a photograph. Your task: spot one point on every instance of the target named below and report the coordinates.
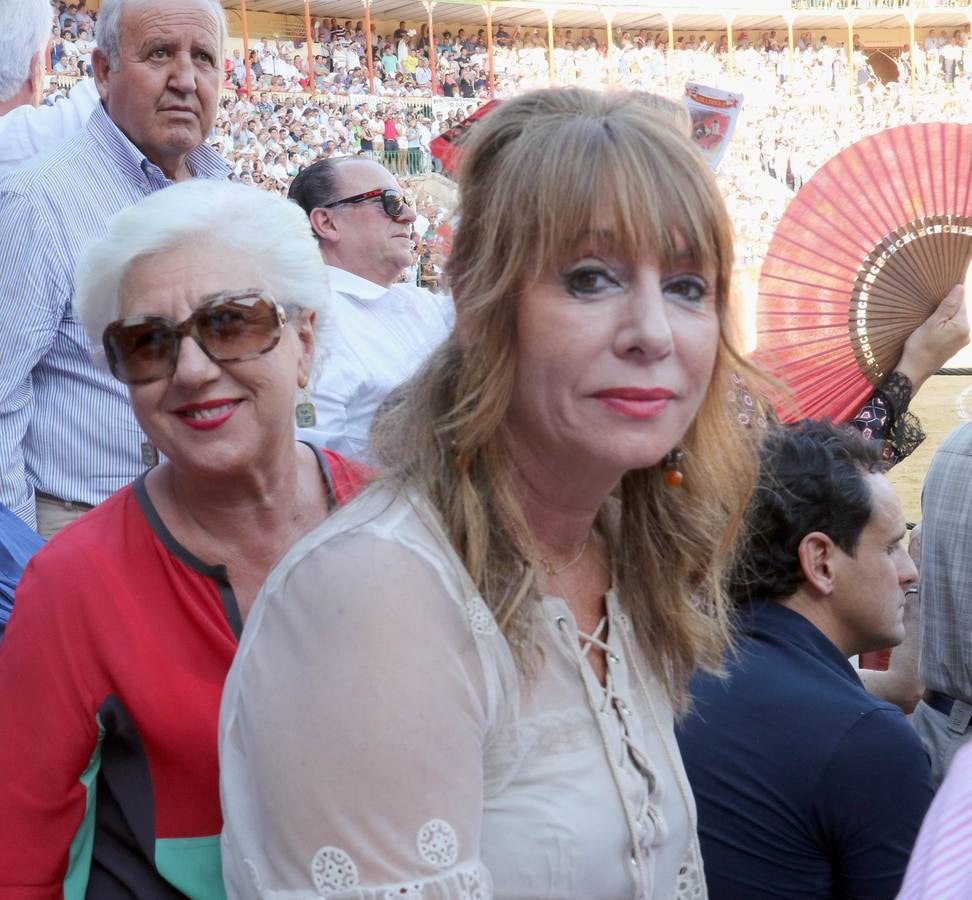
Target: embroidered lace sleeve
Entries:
(352, 730)
(885, 417)
(691, 880)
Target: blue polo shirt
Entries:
(807, 786)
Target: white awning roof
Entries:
(759, 15)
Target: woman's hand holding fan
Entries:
(936, 340)
(855, 276)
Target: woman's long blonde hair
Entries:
(539, 175)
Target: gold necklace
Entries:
(551, 570)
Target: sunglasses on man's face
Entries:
(393, 202)
(231, 326)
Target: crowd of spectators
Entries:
(799, 109)
(797, 117)
(73, 40)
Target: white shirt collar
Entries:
(346, 282)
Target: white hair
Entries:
(108, 29)
(25, 28)
(222, 213)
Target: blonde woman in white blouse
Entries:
(463, 685)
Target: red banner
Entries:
(444, 147)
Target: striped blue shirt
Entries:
(66, 426)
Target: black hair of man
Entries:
(812, 478)
(316, 185)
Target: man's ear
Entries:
(323, 224)
(817, 562)
(101, 67)
(35, 79)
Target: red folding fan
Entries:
(864, 253)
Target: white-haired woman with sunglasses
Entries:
(126, 624)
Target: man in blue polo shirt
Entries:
(807, 786)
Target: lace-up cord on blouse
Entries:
(691, 881)
(611, 702)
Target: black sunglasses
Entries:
(393, 201)
(229, 327)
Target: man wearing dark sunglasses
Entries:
(385, 329)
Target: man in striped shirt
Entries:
(944, 717)
(68, 438)
(941, 865)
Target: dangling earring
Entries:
(305, 412)
(461, 461)
(150, 455)
(670, 464)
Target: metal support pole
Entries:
(611, 62)
(670, 54)
(789, 41)
(311, 83)
(850, 54)
(732, 46)
(913, 43)
(246, 50)
(429, 5)
(489, 50)
(550, 44)
(369, 52)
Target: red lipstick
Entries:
(207, 415)
(636, 403)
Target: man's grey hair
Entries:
(202, 209)
(108, 30)
(25, 28)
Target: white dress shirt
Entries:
(381, 338)
(27, 130)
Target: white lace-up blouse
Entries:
(378, 742)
